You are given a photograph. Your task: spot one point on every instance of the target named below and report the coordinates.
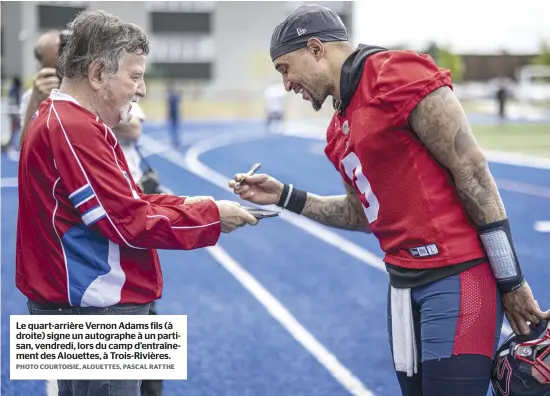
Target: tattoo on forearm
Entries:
(342, 211)
(440, 123)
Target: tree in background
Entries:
(447, 59)
(544, 57)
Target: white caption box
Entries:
(49, 347)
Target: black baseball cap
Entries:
(303, 23)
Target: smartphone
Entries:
(261, 213)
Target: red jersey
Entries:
(409, 198)
(86, 235)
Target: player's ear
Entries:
(316, 47)
(95, 74)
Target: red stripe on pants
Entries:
(476, 326)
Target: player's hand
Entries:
(232, 216)
(260, 189)
(197, 199)
(520, 307)
(44, 82)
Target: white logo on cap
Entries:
(301, 31)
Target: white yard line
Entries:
(278, 311)
(8, 182)
(542, 226)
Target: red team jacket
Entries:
(86, 235)
(409, 198)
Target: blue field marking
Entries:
(235, 346)
(538, 177)
(523, 211)
(9, 167)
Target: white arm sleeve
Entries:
(24, 105)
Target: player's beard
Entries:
(319, 88)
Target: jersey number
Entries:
(353, 169)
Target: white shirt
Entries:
(129, 148)
(24, 104)
(275, 98)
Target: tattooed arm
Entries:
(339, 211)
(441, 124)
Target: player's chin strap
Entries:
(292, 199)
(497, 240)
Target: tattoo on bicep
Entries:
(441, 124)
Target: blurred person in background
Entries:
(14, 99)
(46, 53)
(274, 96)
(416, 178)
(173, 98)
(501, 96)
(87, 237)
(128, 134)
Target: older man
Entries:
(86, 234)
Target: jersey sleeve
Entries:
(107, 201)
(163, 199)
(406, 77)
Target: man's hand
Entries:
(260, 189)
(520, 307)
(344, 212)
(44, 82)
(232, 216)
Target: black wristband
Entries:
(283, 196)
(497, 240)
(292, 199)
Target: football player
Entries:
(417, 179)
